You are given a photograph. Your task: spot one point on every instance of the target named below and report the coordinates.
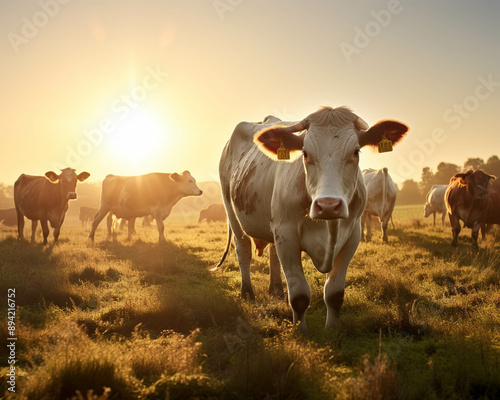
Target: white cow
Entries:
(381, 197)
(434, 202)
(311, 203)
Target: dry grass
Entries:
(134, 319)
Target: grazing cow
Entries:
(45, 199)
(434, 203)
(381, 197)
(86, 215)
(312, 203)
(213, 213)
(152, 194)
(8, 217)
(467, 199)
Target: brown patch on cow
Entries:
(244, 195)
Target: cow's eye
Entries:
(356, 152)
(304, 153)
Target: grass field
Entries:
(421, 320)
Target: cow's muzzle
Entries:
(329, 208)
(72, 196)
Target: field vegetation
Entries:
(138, 320)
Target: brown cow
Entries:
(45, 198)
(467, 199)
(86, 215)
(213, 213)
(153, 194)
(8, 217)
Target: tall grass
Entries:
(139, 320)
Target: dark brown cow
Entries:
(153, 194)
(45, 199)
(213, 213)
(8, 217)
(467, 199)
(87, 215)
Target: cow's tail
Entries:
(228, 245)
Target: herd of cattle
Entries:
(318, 205)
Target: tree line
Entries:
(411, 192)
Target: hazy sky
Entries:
(129, 87)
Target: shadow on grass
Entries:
(177, 291)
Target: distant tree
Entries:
(444, 172)
(474, 163)
(409, 193)
(492, 166)
(6, 196)
(426, 180)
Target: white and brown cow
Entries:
(45, 199)
(154, 194)
(312, 203)
(434, 202)
(467, 199)
(381, 193)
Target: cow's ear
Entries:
(82, 176)
(462, 177)
(391, 130)
(175, 177)
(492, 177)
(271, 139)
(52, 176)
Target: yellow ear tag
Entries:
(283, 153)
(384, 145)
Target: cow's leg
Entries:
(475, 234)
(161, 229)
(455, 228)
(443, 216)
(97, 219)
(434, 218)
(34, 225)
(385, 223)
(363, 223)
(131, 228)
(109, 225)
(45, 230)
(275, 285)
(20, 225)
(299, 292)
(368, 227)
(244, 255)
(335, 282)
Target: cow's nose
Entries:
(329, 208)
(72, 196)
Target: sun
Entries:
(137, 137)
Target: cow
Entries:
(312, 202)
(86, 215)
(434, 203)
(213, 213)
(8, 217)
(45, 199)
(381, 197)
(467, 199)
(152, 194)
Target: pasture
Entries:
(149, 321)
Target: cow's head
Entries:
(427, 210)
(186, 184)
(476, 182)
(330, 146)
(67, 181)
